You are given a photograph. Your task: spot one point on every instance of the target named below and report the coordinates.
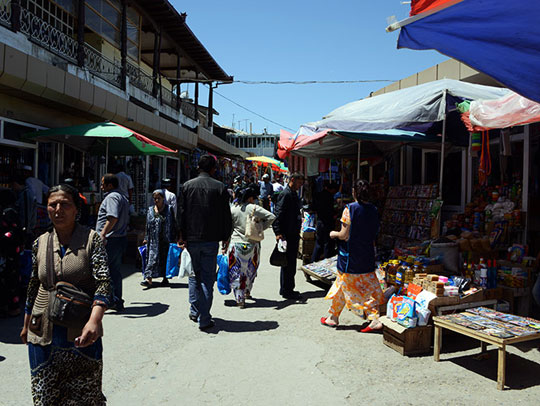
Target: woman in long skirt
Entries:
(244, 254)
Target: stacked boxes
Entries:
(307, 245)
(430, 283)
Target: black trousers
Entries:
(288, 272)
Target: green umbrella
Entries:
(102, 138)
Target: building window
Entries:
(104, 17)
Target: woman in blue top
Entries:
(356, 285)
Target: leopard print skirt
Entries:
(64, 375)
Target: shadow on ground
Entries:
(521, 373)
(235, 326)
(10, 328)
(277, 304)
(137, 310)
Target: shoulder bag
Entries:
(254, 227)
(69, 306)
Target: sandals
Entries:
(324, 323)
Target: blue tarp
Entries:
(500, 38)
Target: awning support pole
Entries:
(441, 172)
(358, 159)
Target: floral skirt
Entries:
(243, 265)
(359, 292)
(64, 375)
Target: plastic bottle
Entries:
(492, 274)
(399, 275)
(483, 274)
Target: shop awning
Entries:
(96, 138)
(496, 37)
(276, 165)
(400, 116)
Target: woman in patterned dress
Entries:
(244, 254)
(66, 363)
(356, 285)
(160, 232)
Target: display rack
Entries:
(407, 215)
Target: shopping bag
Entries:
(142, 252)
(173, 259)
(223, 282)
(186, 268)
(278, 258)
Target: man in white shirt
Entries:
(125, 183)
(170, 197)
(36, 186)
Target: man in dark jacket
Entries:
(287, 227)
(204, 219)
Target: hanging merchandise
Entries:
(484, 169)
(476, 141)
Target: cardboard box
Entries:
(407, 341)
(307, 235)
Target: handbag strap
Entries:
(50, 262)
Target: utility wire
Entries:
(307, 82)
(252, 112)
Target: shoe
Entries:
(371, 330)
(293, 296)
(194, 317)
(324, 323)
(165, 282)
(241, 305)
(146, 284)
(117, 306)
(208, 326)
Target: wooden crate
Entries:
(407, 341)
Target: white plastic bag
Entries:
(186, 269)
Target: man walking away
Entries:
(125, 183)
(266, 192)
(204, 218)
(287, 227)
(112, 223)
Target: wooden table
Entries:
(485, 339)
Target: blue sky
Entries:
(299, 40)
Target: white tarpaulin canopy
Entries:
(401, 109)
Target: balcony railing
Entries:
(65, 46)
(101, 66)
(5, 12)
(47, 36)
(139, 79)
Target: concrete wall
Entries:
(35, 91)
(450, 69)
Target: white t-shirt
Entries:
(38, 188)
(124, 183)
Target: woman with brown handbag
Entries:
(66, 362)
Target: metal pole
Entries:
(107, 156)
(358, 159)
(442, 157)
(525, 181)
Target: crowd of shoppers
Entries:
(203, 217)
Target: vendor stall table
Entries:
(441, 322)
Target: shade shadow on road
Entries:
(137, 310)
(277, 304)
(10, 328)
(521, 373)
(178, 285)
(235, 326)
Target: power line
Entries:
(307, 82)
(252, 112)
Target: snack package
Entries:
(423, 316)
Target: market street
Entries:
(273, 352)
